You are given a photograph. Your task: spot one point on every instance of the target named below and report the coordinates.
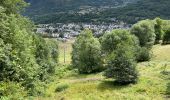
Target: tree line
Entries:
(117, 52)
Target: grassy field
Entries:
(153, 84)
(67, 48)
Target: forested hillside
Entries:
(47, 11)
(53, 11)
(142, 9)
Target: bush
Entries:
(158, 29)
(12, 91)
(122, 66)
(143, 54)
(144, 30)
(61, 87)
(166, 37)
(86, 54)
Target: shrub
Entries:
(86, 54)
(144, 30)
(158, 29)
(166, 37)
(122, 66)
(12, 91)
(143, 54)
(61, 87)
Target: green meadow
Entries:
(153, 84)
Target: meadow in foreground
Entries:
(153, 83)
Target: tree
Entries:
(158, 29)
(86, 54)
(13, 6)
(24, 56)
(166, 30)
(20, 57)
(120, 49)
(112, 40)
(122, 66)
(144, 30)
(143, 54)
(166, 37)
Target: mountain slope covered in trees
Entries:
(47, 11)
(140, 10)
(63, 11)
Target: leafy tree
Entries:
(143, 54)
(144, 30)
(86, 55)
(112, 40)
(13, 6)
(166, 37)
(120, 48)
(158, 29)
(46, 54)
(166, 30)
(122, 66)
(20, 55)
(5, 61)
(53, 47)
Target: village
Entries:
(70, 30)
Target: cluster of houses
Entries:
(69, 30)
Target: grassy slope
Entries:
(152, 85)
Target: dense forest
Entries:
(130, 13)
(42, 7)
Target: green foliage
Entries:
(144, 30)
(121, 50)
(46, 54)
(143, 54)
(19, 42)
(24, 57)
(122, 66)
(166, 30)
(13, 6)
(86, 54)
(166, 37)
(158, 29)
(111, 41)
(12, 91)
(61, 87)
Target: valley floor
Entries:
(153, 84)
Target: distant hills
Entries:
(65, 11)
